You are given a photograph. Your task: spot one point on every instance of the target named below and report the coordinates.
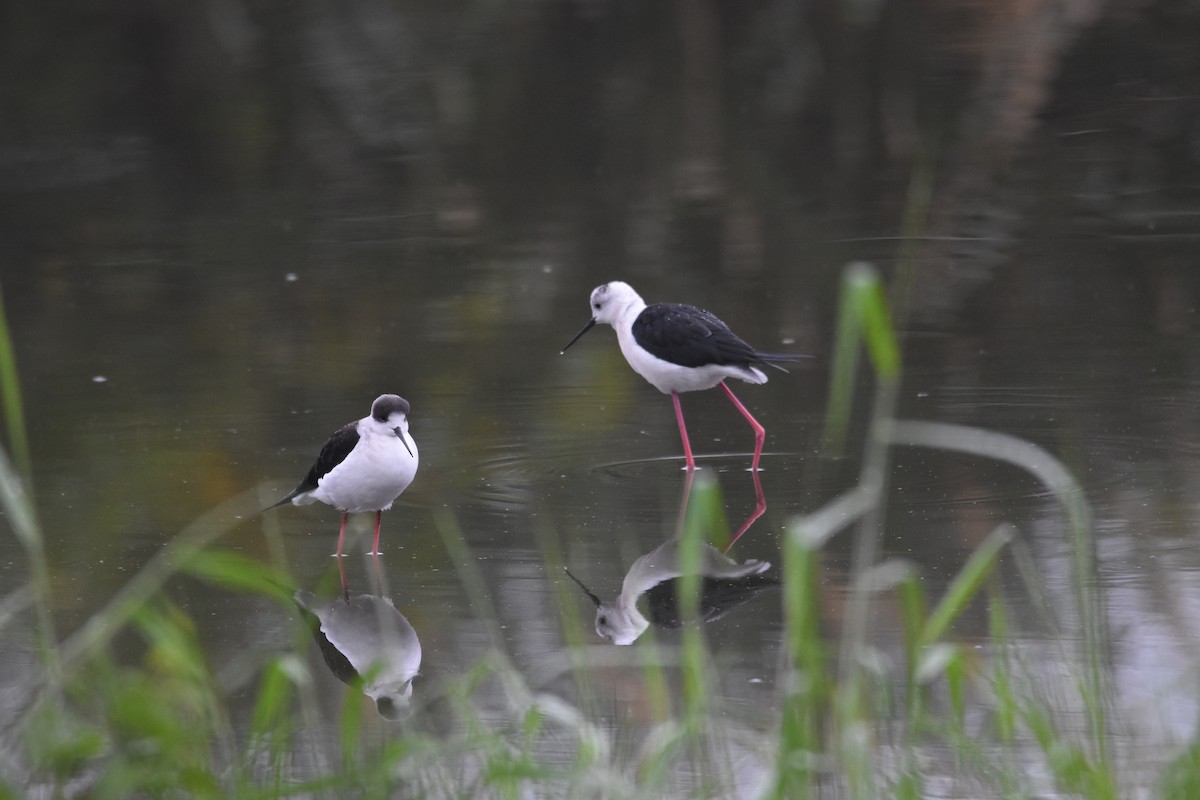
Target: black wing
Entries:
(333, 453)
(690, 337)
(718, 596)
(335, 659)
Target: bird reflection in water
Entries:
(366, 643)
(726, 583)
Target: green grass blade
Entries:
(106, 623)
(18, 506)
(703, 514)
(1181, 779)
(913, 614)
(235, 571)
(1067, 491)
(10, 397)
(807, 679)
(871, 307)
(965, 586)
(863, 318)
(845, 368)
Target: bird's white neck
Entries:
(629, 312)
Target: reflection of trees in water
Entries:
(727, 138)
(696, 95)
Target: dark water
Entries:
(197, 305)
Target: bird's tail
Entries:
(791, 358)
(284, 501)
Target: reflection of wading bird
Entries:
(726, 584)
(364, 466)
(679, 348)
(365, 638)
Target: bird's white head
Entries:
(619, 622)
(390, 411)
(613, 301)
(392, 701)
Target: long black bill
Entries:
(586, 590)
(403, 441)
(586, 328)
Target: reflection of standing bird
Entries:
(365, 638)
(364, 466)
(726, 585)
(680, 348)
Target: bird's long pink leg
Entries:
(375, 546)
(760, 433)
(687, 448)
(342, 534)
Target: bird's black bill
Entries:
(403, 441)
(586, 590)
(586, 328)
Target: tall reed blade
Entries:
(863, 319)
(10, 397)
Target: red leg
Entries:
(375, 547)
(760, 433)
(342, 534)
(687, 448)
(760, 505)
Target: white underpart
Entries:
(375, 638)
(375, 472)
(623, 623)
(621, 308)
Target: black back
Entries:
(690, 337)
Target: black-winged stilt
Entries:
(364, 466)
(726, 583)
(681, 348)
(365, 638)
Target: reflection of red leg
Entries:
(687, 448)
(342, 534)
(760, 505)
(378, 577)
(760, 433)
(375, 546)
(342, 574)
(683, 504)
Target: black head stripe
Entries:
(387, 404)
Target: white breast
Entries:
(373, 475)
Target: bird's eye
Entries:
(596, 306)
(602, 621)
